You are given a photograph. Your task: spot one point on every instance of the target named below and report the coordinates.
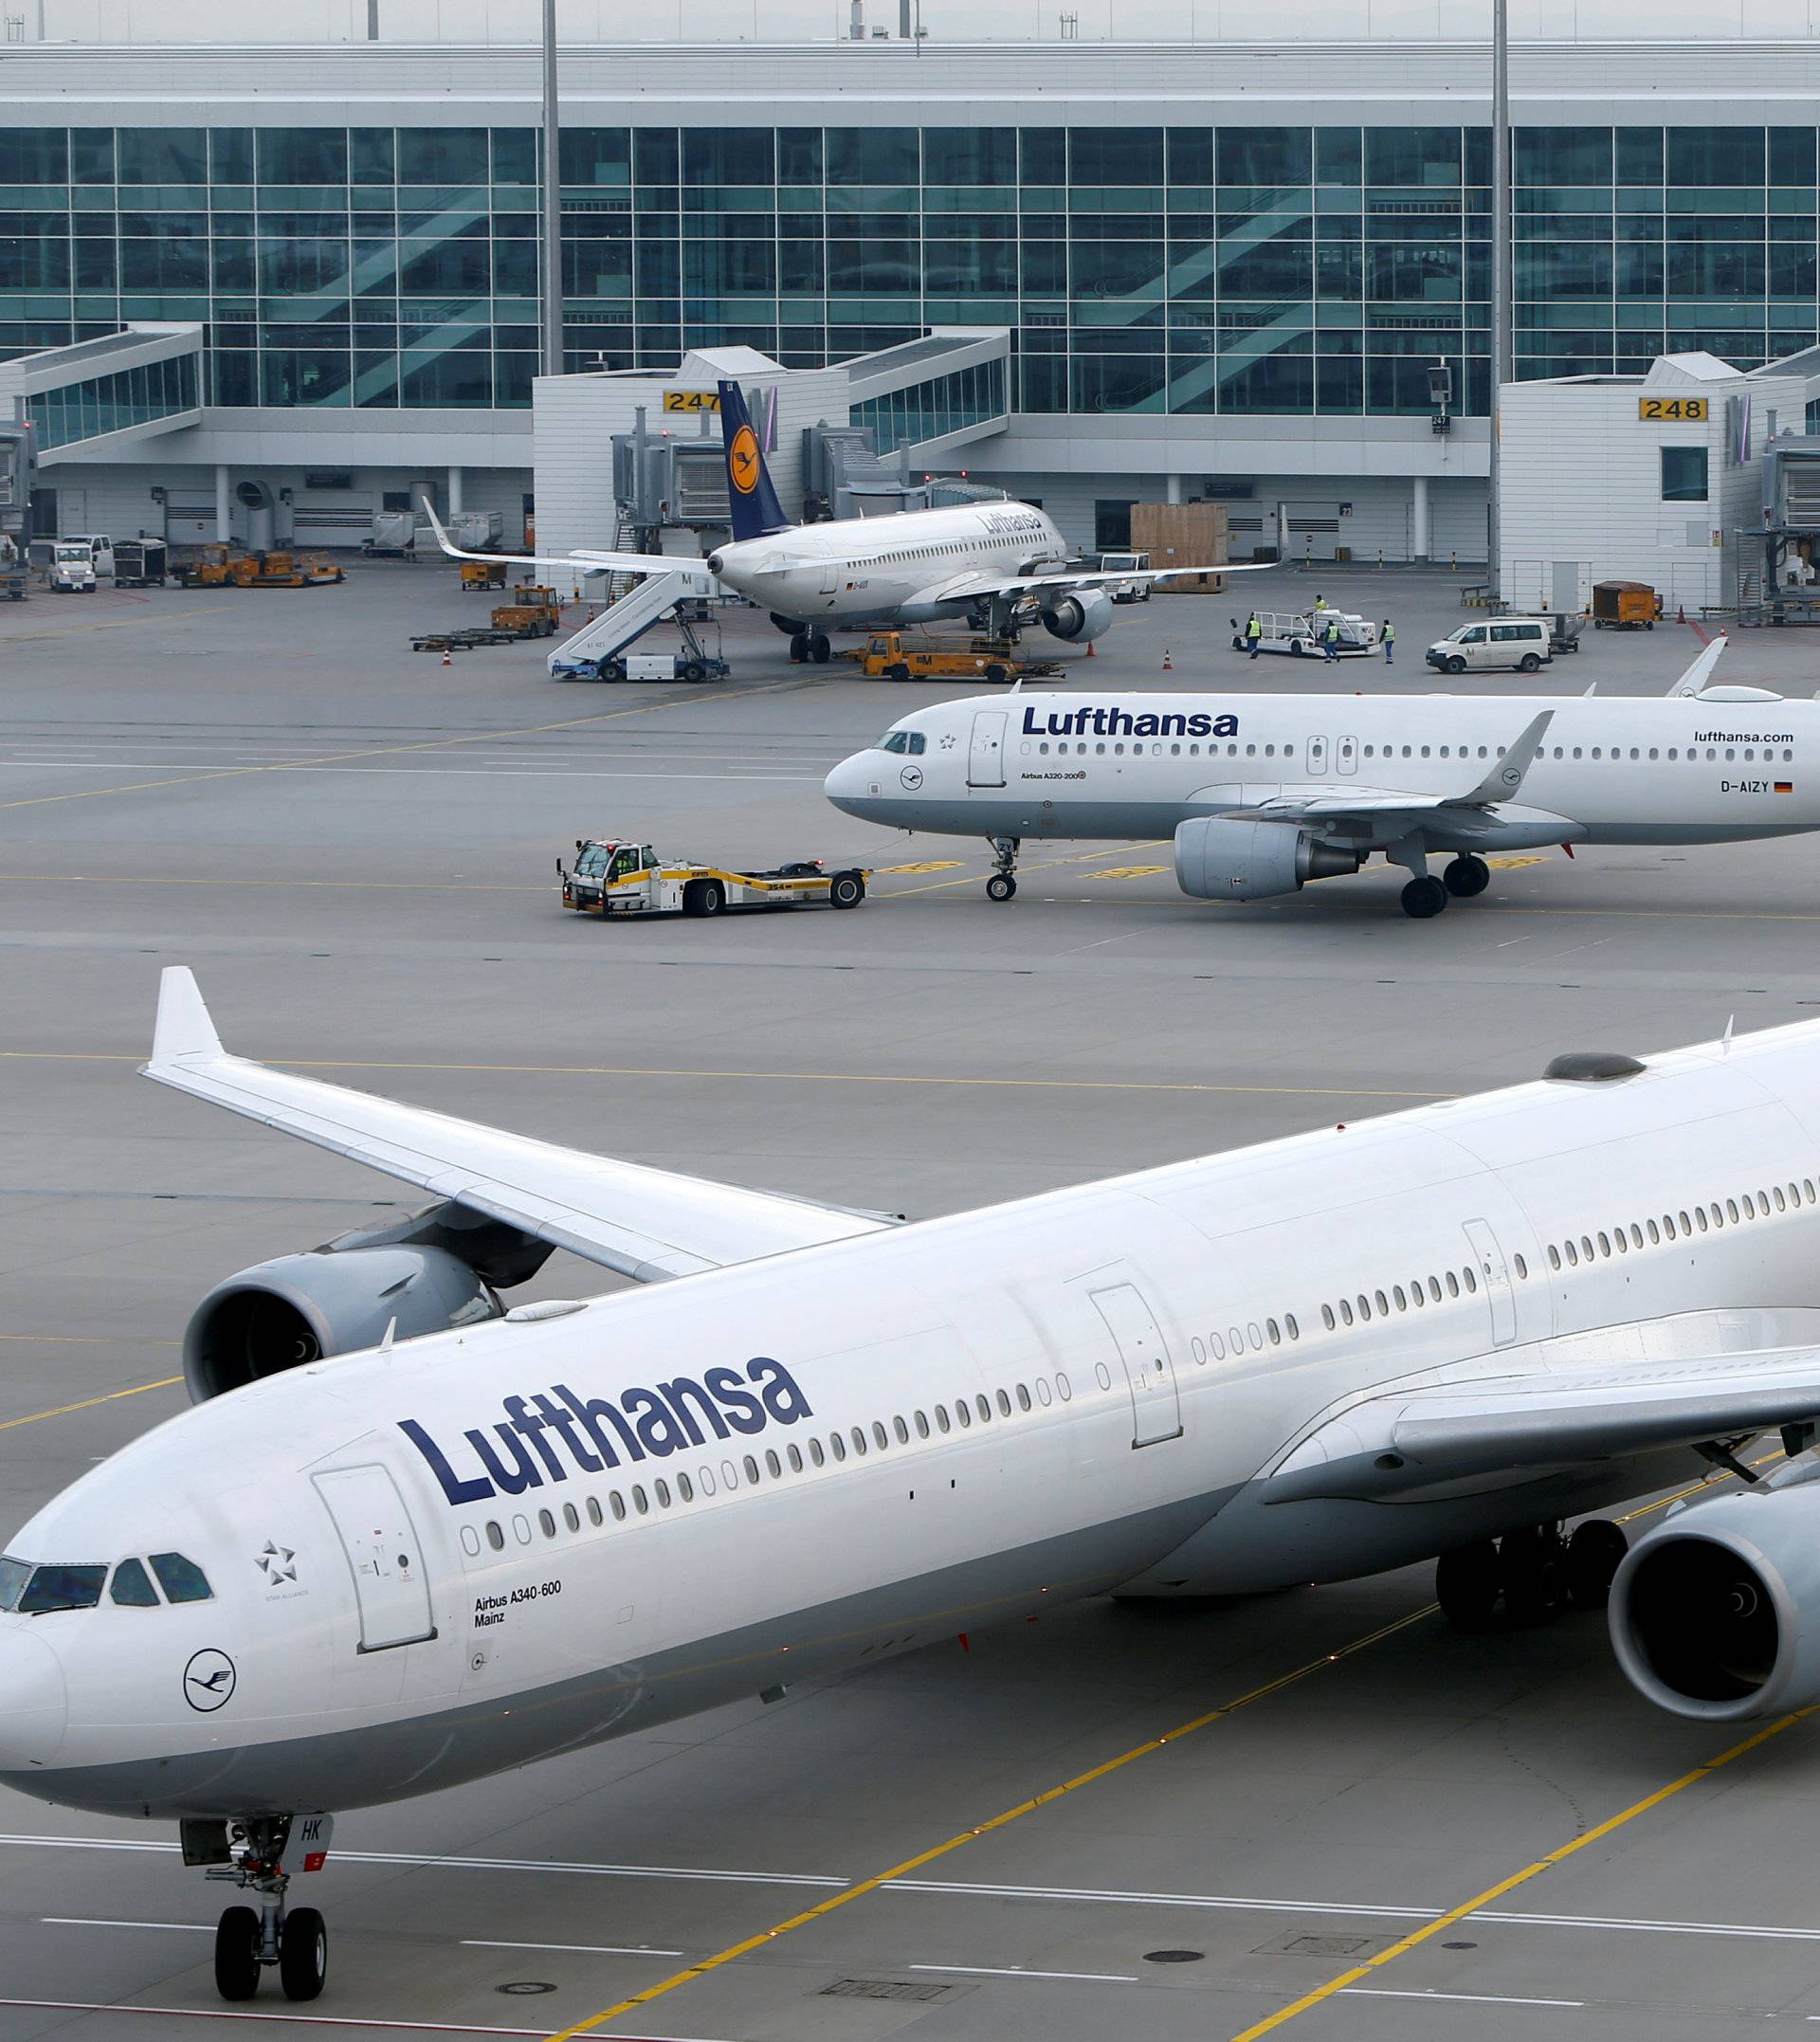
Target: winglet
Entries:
(442, 540)
(1701, 672)
(1506, 777)
(183, 1027)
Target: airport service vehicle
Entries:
(393, 536)
(885, 656)
(692, 661)
(409, 1538)
(1302, 633)
(1263, 793)
(1524, 643)
(1625, 606)
(100, 551)
(1136, 589)
(481, 575)
(12, 569)
(65, 564)
(1000, 566)
(141, 563)
(612, 879)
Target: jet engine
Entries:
(1225, 858)
(1079, 618)
(428, 1274)
(1715, 1615)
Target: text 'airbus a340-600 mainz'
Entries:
(996, 564)
(407, 1538)
(1263, 793)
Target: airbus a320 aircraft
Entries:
(407, 1539)
(997, 565)
(1264, 792)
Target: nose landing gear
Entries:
(1002, 883)
(295, 1940)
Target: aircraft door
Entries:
(390, 1578)
(832, 578)
(1347, 755)
(1494, 1275)
(986, 755)
(1317, 750)
(1156, 1403)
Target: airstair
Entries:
(633, 615)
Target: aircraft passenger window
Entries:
(1434, 1288)
(572, 1517)
(1633, 751)
(816, 1454)
(1022, 1397)
(1275, 1331)
(1711, 755)
(1327, 1317)
(470, 1541)
(1454, 1285)
(1200, 1351)
(662, 1489)
(1101, 749)
(1043, 1395)
(1605, 1246)
(133, 1588)
(1471, 1280)
(1655, 1231)
(1750, 1207)
(1699, 1218)
(984, 1409)
(838, 1445)
(942, 1417)
(882, 1439)
(1623, 1246)
(1382, 1302)
(58, 1587)
(1175, 751)
(1636, 1234)
(641, 1502)
(521, 1530)
(546, 1524)
(618, 1503)
(859, 1441)
(795, 1453)
(495, 1535)
(1102, 1375)
(685, 1488)
(1289, 1322)
(903, 1431)
(1522, 1269)
(1673, 753)
(1003, 1405)
(1652, 750)
(1729, 755)
(1217, 1346)
(1780, 1206)
(1554, 1256)
(772, 1464)
(1425, 750)
(1043, 751)
(181, 1580)
(1668, 1224)
(1731, 1211)
(1364, 1306)
(704, 1479)
(1250, 751)
(1345, 1311)
(1444, 751)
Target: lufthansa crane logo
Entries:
(208, 1680)
(742, 461)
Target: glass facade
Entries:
(926, 411)
(1192, 269)
(110, 403)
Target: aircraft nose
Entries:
(33, 1706)
(854, 786)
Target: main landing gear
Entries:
(295, 1940)
(809, 645)
(1002, 883)
(1424, 896)
(1535, 1574)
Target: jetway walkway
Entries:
(631, 615)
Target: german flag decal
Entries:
(1785, 787)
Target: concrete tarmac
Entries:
(353, 847)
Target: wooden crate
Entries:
(1194, 534)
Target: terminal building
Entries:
(1204, 270)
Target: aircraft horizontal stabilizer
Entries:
(647, 1224)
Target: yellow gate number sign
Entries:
(1672, 408)
(709, 400)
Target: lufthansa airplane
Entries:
(407, 1539)
(997, 565)
(1263, 793)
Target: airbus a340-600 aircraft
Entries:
(1263, 793)
(407, 1540)
(996, 564)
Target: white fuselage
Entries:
(1610, 770)
(891, 568)
(485, 1546)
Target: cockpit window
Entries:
(15, 1573)
(57, 1587)
(181, 1580)
(912, 742)
(133, 1586)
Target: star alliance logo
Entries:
(948, 743)
(277, 1563)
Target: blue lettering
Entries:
(783, 1399)
(658, 1431)
(682, 1391)
(524, 1474)
(475, 1489)
(743, 1411)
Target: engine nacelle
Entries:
(1079, 618)
(298, 1308)
(1226, 857)
(1715, 1613)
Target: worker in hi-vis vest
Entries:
(1253, 635)
(1388, 633)
(1330, 641)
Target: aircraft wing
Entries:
(590, 563)
(1515, 1425)
(1064, 581)
(647, 1224)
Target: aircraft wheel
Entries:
(303, 1954)
(799, 648)
(1001, 886)
(1456, 665)
(1466, 1584)
(846, 889)
(1593, 1553)
(1424, 898)
(1533, 1566)
(819, 648)
(1466, 876)
(237, 1953)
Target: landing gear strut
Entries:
(1536, 1572)
(1002, 883)
(1423, 896)
(295, 1940)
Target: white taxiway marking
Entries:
(297, 2020)
(1476, 2000)
(1017, 1971)
(586, 1949)
(450, 772)
(85, 1920)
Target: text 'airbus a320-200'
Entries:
(1262, 793)
(407, 1539)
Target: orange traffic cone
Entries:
(1169, 664)
(1091, 648)
(447, 660)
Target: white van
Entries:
(1520, 642)
(64, 566)
(100, 551)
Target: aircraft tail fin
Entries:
(751, 499)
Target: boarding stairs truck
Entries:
(601, 642)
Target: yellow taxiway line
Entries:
(88, 1403)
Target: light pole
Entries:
(1500, 284)
(552, 201)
